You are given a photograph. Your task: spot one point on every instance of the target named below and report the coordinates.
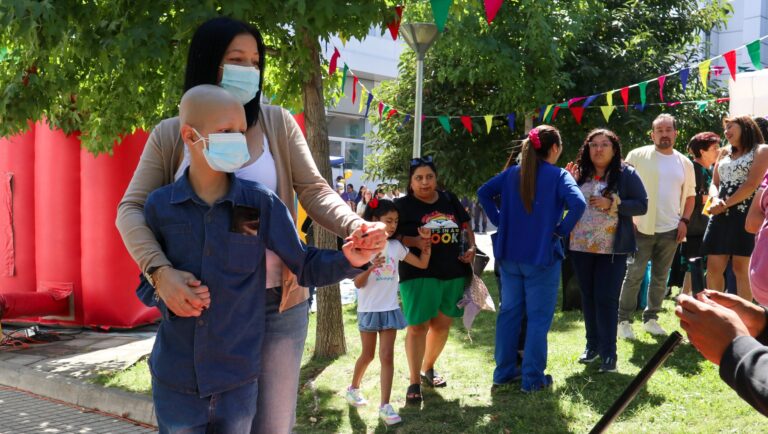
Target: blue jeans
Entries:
(600, 278)
(531, 290)
(280, 365)
(229, 412)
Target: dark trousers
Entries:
(480, 220)
(600, 278)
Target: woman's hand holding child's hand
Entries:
(426, 239)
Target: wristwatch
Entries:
(149, 274)
(685, 220)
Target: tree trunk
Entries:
(329, 334)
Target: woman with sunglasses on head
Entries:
(602, 239)
(529, 247)
(430, 295)
(231, 53)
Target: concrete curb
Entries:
(108, 400)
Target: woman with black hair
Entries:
(736, 177)
(529, 247)
(602, 239)
(429, 296)
(231, 53)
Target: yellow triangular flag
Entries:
(704, 72)
(609, 98)
(547, 112)
(488, 122)
(607, 110)
(363, 98)
(343, 40)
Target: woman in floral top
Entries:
(603, 237)
(736, 177)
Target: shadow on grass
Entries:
(685, 360)
(318, 413)
(599, 391)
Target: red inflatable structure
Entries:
(62, 260)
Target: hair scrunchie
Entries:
(533, 136)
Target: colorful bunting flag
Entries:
(334, 59)
(589, 100)
(642, 86)
(609, 98)
(625, 97)
(511, 121)
(719, 100)
(362, 101)
(440, 12)
(343, 40)
(684, 77)
(368, 104)
(488, 123)
(548, 114)
(383, 108)
(467, 122)
(753, 48)
(577, 113)
(702, 105)
(555, 111)
(541, 111)
(607, 111)
(394, 25)
(445, 122)
(661, 80)
(391, 113)
(730, 60)
(674, 103)
(407, 118)
(344, 77)
(573, 101)
(354, 88)
(704, 72)
(491, 9)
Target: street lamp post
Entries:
(419, 36)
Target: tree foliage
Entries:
(535, 53)
(108, 67)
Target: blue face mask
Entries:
(241, 81)
(225, 152)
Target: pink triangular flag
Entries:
(381, 108)
(423, 117)
(394, 25)
(672, 104)
(334, 60)
(662, 79)
(730, 60)
(491, 9)
(467, 122)
(625, 96)
(354, 88)
(573, 101)
(577, 113)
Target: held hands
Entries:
(710, 326)
(370, 238)
(425, 239)
(357, 257)
(182, 292)
(717, 206)
(601, 203)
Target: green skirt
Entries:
(424, 297)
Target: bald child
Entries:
(216, 226)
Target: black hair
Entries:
(702, 142)
(382, 207)
(586, 168)
(206, 51)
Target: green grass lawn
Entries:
(685, 396)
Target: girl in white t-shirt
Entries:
(378, 311)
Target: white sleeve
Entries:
(399, 251)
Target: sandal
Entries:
(433, 379)
(413, 394)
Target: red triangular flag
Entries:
(491, 8)
(726, 99)
(577, 113)
(334, 59)
(625, 96)
(423, 117)
(662, 79)
(391, 113)
(554, 112)
(394, 25)
(467, 121)
(381, 108)
(354, 88)
(730, 60)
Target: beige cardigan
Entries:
(296, 171)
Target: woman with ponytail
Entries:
(529, 248)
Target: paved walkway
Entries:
(26, 413)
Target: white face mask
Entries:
(241, 81)
(225, 152)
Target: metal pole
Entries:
(417, 123)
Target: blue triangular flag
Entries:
(640, 107)
(405, 121)
(368, 104)
(542, 110)
(589, 100)
(511, 121)
(684, 77)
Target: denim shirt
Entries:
(221, 349)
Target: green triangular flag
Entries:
(563, 104)
(607, 110)
(642, 87)
(445, 122)
(702, 105)
(344, 78)
(440, 11)
(754, 54)
(548, 114)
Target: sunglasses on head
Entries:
(421, 161)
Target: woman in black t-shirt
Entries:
(429, 296)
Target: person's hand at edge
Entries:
(710, 328)
(752, 315)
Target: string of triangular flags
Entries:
(547, 113)
(440, 10)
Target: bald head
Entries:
(211, 109)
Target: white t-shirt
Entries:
(379, 294)
(671, 178)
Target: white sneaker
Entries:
(652, 327)
(389, 415)
(355, 397)
(625, 330)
